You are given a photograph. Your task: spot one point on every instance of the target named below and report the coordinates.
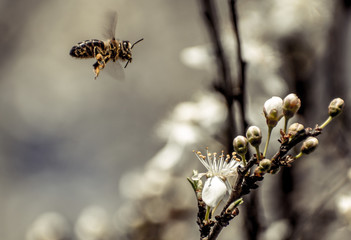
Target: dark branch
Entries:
(245, 182)
(240, 96)
(224, 85)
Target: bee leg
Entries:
(96, 69)
(100, 63)
(101, 60)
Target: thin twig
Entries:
(224, 86)
(240, 96)
(287, 144)
(235, 194)
(252, 222)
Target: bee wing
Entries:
(110, 27)
(114, 70)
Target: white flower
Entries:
(220, 170)
(213, 191)
(273, 111)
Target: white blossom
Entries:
(213, 191)
(220, 171)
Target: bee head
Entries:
(127, 47)
(125, 52)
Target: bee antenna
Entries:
(126, 64)
(136, 43)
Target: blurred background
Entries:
(107, 159)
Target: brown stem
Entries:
(242, 64)
(225, 85)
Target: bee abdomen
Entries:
(85, 49)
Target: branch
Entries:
(242, 183)
(225, 86)
(240, 96)
(245, 182)
(279, 159)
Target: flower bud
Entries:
(291, 105)
(254, 136)
(295, 128)
(273, 111)
(240, 144)
(309, 145)
(195, 181)
(265, 165)
(335, 107)
(235, 204)
(258, 172)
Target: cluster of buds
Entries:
(275, 108)
(220, 169)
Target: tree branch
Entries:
(224, 85)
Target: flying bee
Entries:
(104, 51)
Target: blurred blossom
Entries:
(290, 16)
(343, 204)
(189, 119)
(278, 230)
(128, 215)
(190, 123)
(198, 57)
(49, 226)
(168, 157)
(130, 184)
(93, 224)
(155, 181)
(265, 61)
(141, 184)
(185, 133)
(156, 209)
(260, 54)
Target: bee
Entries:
(104, 51)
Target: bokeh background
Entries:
(107, 159)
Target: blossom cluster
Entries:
(223, 170)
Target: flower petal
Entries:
(213, 191)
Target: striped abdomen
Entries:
(85, 49)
